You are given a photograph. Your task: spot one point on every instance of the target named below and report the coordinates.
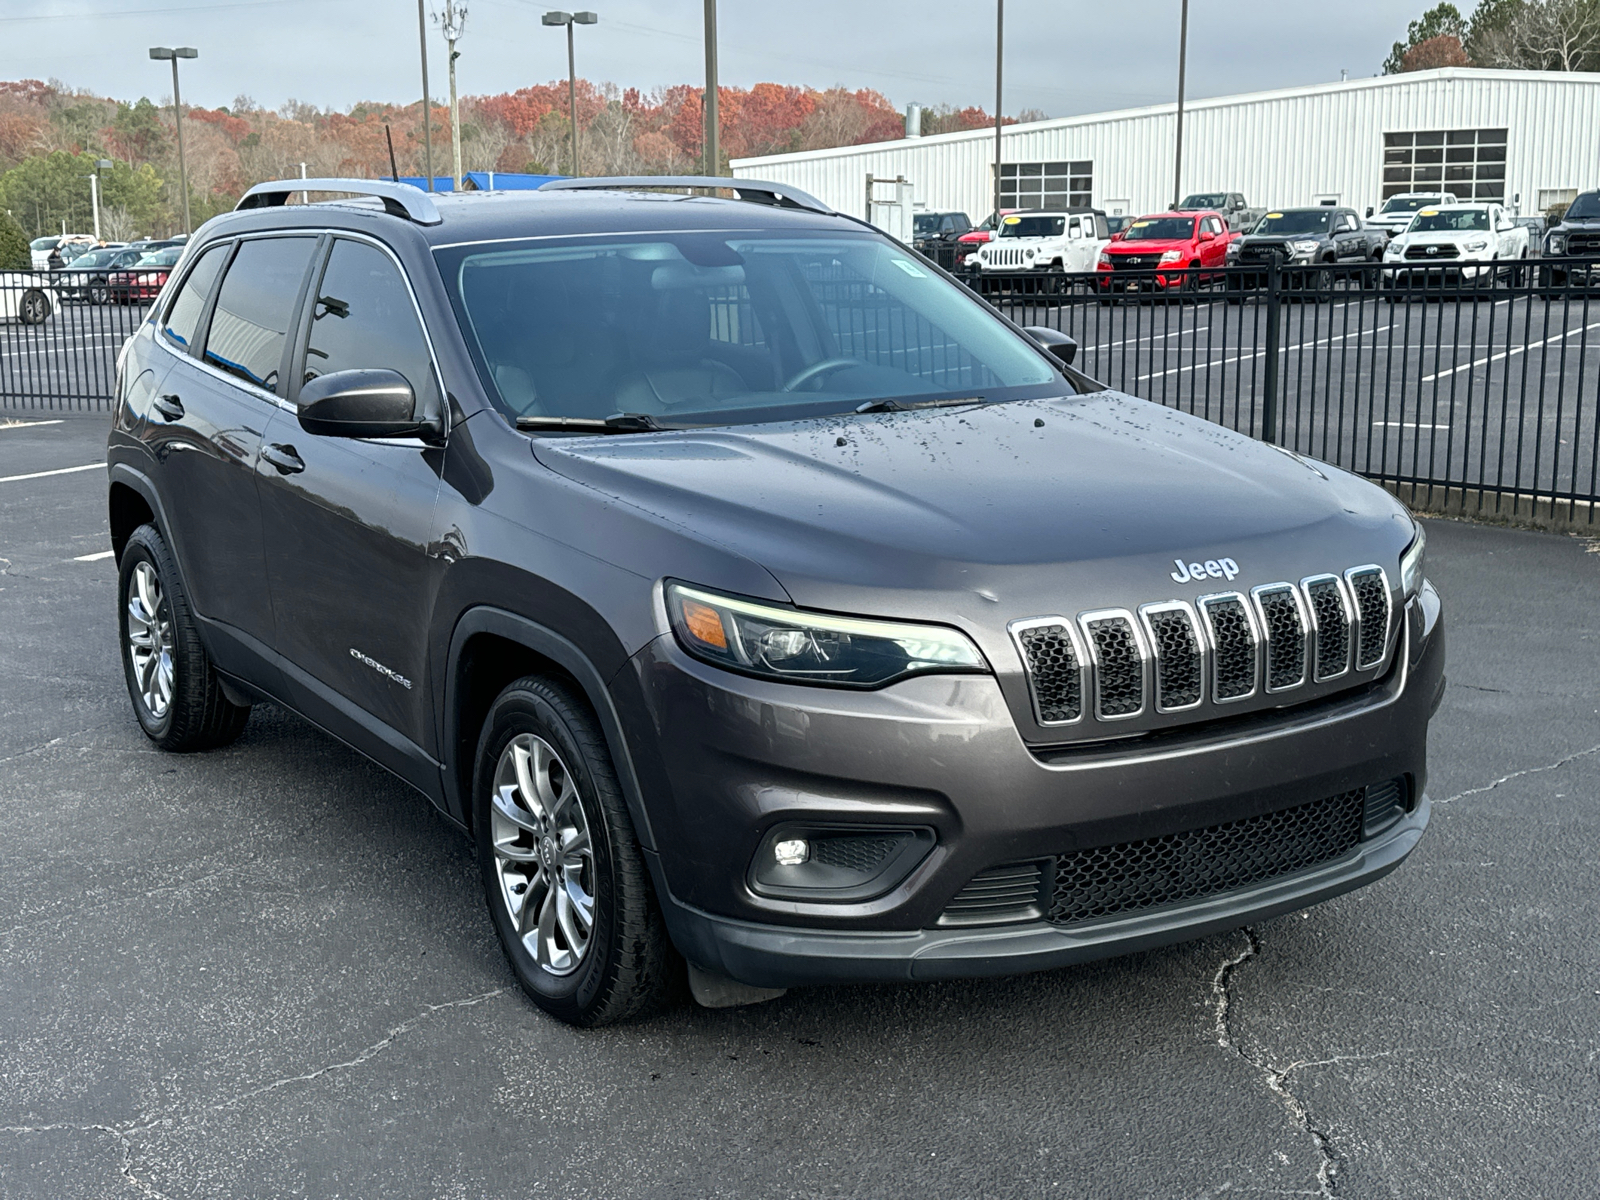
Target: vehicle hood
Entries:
(1150, 245)
(1007, 510)
(1442, 237)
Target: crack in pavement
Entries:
(1489, 787)
(1273, 1076)
(124, 1133)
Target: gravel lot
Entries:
(268, 971)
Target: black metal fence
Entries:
(1462, 389)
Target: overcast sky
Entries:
(1063, 56)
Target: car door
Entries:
(348, 521)
(205, 425)
(1214, 252)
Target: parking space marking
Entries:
(28, 424)
(45, 474)
(1262, 353)
(1482, 362)
(95, 557)
(1406, 425)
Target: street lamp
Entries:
(161, 54)
(569, 20)
(100, 164)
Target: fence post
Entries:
(1269, 393)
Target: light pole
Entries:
(556, 17)
(713, 154)
(100, 164)
(161, 54)
(427, 103)
(999, 61)
(1183, 56)
(452, 24)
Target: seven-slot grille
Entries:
(1227, 647)
(1006, 256)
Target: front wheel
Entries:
(563, 873)
(34, 308)
(176, 695)
(99, 293)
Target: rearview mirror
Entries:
(1053, 340)
(375, 403)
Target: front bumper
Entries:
(738, 757)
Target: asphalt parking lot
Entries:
(267, 971)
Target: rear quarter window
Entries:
(183, 315)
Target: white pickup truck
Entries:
(1457, 243)
(1065, 240)
(1397, 211)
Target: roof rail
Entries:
(399, 199)
(757, 191)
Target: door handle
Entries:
(169, 407)
(283, 458)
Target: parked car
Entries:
(1068, 241)
(1188, 243)
(46, 253)
(144, 279)
(1397, 211)
(1231, 205)
(88, 276)
(935, 235)
(1457, 244)
(821, 657)
(968, 244)
(1115, 225)
(24, 298)
(1576, 235)
(1536, 227)
(1309, 245)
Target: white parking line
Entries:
(1481, 362)
(44, 474)
(1262, 353)
(95, 557)
(1406, 425)
(28, 424)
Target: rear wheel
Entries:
(563, 873)
(176, 695)
(34, 308)
(99, 293)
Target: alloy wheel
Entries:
(150, 640)
(543, 853)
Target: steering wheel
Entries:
(816, 370)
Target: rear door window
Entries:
(183, 315)
(251, 323)
(363, 317)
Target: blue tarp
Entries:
(482, 181)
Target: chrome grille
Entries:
(1006, 256)
(1446, 250)
(1278, 605)
(1176, 657)
(1119, 658)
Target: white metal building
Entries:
(1526, 138)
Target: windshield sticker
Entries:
(1140, 224)
(1013, 220)
(908, 268)
(1429, 212)
(1274, 216)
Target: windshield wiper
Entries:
(892, 405)
(615, 423)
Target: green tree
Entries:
(1489, 31)
(13, 245)
(46, 190)
(80, 124)
(138, 133)
(1443, 20)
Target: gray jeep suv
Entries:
(752, 593)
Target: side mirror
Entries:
(1207, 236)
(1369, 212)
(362, 404)
(1053, 340)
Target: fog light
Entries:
(792, 852)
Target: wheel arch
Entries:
(489, 649)
(132, 501)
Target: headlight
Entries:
(1412, 564)
(1394, 250)
(1172, 256)
(1233, 250)
(1558, 244)
(1104, 260)
(1027, 253)
(801, 647)
(1303, 247)
(1473, 247)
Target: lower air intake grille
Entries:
(1371, 591)
(1286, 643)
(1057, 674)
(1009, 893)
(863, 854)
(1119, 690)
(1178, 867)
(1386, 801)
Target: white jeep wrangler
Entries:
(1069, 240)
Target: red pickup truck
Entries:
(1134, 260)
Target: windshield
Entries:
(727, 328)
(1033, 227)
(1586, 207)
(95, 258)
(1308, 220)
(1149, 229)
(1448, 220)
(1405, 204)
(44, 243)
(924, 223)
(1205, 200)
(161, 258)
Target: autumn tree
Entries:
(1442, 51)
(1443, 20)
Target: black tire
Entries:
(34, 307)
(624, 969)
(99, 293)
(196, 716)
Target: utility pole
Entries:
(452, 24)
(166, 52)
(1183, 56)
(713, 153)
(556, 17)
(999, 63)
(427, 101)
